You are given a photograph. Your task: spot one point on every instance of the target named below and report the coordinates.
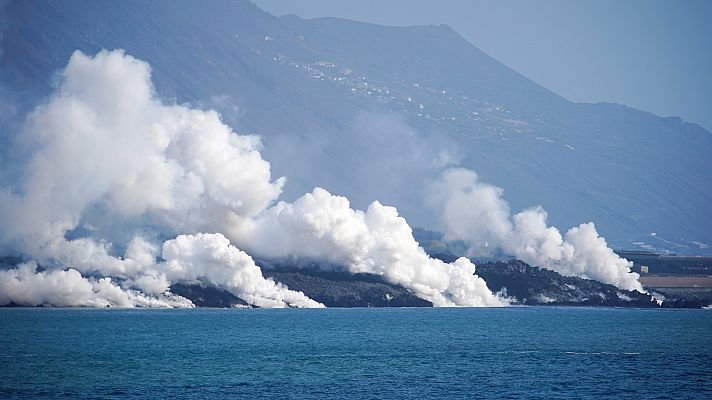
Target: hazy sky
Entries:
(654, 55)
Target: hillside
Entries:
(522, 283)
(326, 94)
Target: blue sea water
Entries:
(518, 352)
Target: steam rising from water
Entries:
(476, 213)
(25, 286)
(107, 169)
(321, 226)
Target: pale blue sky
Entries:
(655, 55)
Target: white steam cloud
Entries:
(107, 169)
(212, 260)
(475, 212)
(321, 226)
(104, 141)
(103, 145)
(26, 287)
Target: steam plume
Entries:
(107, 169)
(212, 260)
(476, 213)
(104, 153)
(321, 226)
(25, 286)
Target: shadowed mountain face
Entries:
(341, 289)
(536, 286)
(208, 296)
(327, 94)
(522, 283)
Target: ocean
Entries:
(515, 352)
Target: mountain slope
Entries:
(327, 94)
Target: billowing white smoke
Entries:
(103, 140)
(204, 259)
(25, 286)
(103, 143)
(475, 212)
(105, 162)
(212, 260)
(321, 226)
